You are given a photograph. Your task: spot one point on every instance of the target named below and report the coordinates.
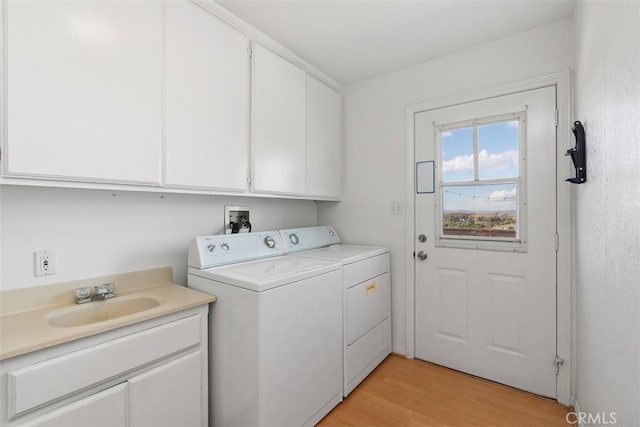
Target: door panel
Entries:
(484, 307)
(506, 313)
(452, 309)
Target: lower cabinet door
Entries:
(104, 409)
(169, 395)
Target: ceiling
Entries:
(355, 40)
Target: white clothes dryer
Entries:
(275, 331)
(366, 296)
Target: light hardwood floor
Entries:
(403, 392)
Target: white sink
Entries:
(101, 311)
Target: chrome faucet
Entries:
(101, 292)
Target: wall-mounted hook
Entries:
(578, 155)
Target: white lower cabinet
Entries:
(146, 400)
(153, 395)
(145, 375)
(107, 408)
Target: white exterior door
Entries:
(485, 266)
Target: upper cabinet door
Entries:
(279, 110)
(84, 84)
(324, 149)
(207, 100)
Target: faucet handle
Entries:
(106, 290)
(83, 295)
(83, 292)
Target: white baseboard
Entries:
(399, 350)
(576, 409)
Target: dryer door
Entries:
(368, 304)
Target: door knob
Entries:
(422, 255)
(422, 238)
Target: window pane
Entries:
(457, 154)
(498, 150)
(480, 210)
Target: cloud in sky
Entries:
(503, 194)
(454, 203)
(486, 161)
(458, 164)
(502, 199)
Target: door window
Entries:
(480, 188)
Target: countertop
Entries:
(25, 313)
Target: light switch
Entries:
(395, 207)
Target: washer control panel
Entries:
(304, 239)
(215, 250)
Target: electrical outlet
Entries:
(45, 263)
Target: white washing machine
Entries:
(275, 331)
(366, 299)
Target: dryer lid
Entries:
(345, 253)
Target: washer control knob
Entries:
(294, 238)
(269, 242)
(331, 233)
(211, 247)
(225, 246)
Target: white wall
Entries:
(607, 100)
(374, 135)
(95, 233)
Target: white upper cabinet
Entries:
(324, 148)
(279, 110)
(160, 93)
(84, 86)
(207, 83)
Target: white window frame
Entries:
(517, 244)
